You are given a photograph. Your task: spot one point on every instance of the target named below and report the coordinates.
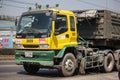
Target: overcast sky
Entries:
(16, 7)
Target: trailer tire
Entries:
(108, 63)
(82, 67)
(30, 68)
(117, 63)
(68, 65)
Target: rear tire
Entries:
(119, 75)
(117, 63)
(82, 67)
(68, 65)
(108, 63)
(30, 68)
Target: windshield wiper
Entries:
(49, 28)
(25, 30)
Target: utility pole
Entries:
(1, 3)
(106, 4)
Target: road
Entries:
(10, 71)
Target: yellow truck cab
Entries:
(43, 36)
(38, 30)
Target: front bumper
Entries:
(43, 58)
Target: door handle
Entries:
(67, 35)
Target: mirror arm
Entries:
(54, 16)
(16, 22)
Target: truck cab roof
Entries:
(55, 10)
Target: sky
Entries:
(16, 7)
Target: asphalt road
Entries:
(10, 71)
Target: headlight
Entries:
(44, 46)
(18, 46)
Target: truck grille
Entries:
(30, 46)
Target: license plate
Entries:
(28, 54)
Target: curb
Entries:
(7, 57)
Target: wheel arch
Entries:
(109, 51)
(116, 54)
(117, 59)
(65, 50)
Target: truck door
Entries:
(73, 31)
(61, 33)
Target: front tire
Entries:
(68, 65)
(108, 63)
(30, 68)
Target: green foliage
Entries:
(6, 17)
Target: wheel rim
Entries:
(69, 65)
(109, 62)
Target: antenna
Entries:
(39, 6)
(30, 8)
(47, 6)
(57, 5)
(36, 5)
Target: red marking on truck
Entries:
(42, 40)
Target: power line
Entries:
(117, 1)
(20, 2)
(91, 4)
(96, 5)
(15, 6)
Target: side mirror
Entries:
(54, 16)
(17, 20)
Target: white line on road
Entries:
(9, 66)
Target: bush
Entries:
(7, 51)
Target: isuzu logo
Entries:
(30, 40)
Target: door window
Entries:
(61, 24)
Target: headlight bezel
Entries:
(18, 46)
(44, 46)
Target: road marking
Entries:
(4, 73)
(7, 61)
(9, 66)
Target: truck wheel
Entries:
(82, 67)
(119, 75)
(108, 63)
(31, 68)
(68, 65)
(117, 63)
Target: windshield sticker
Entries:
(61, 37)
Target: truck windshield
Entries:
(35, 23)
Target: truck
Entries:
(69, 41)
